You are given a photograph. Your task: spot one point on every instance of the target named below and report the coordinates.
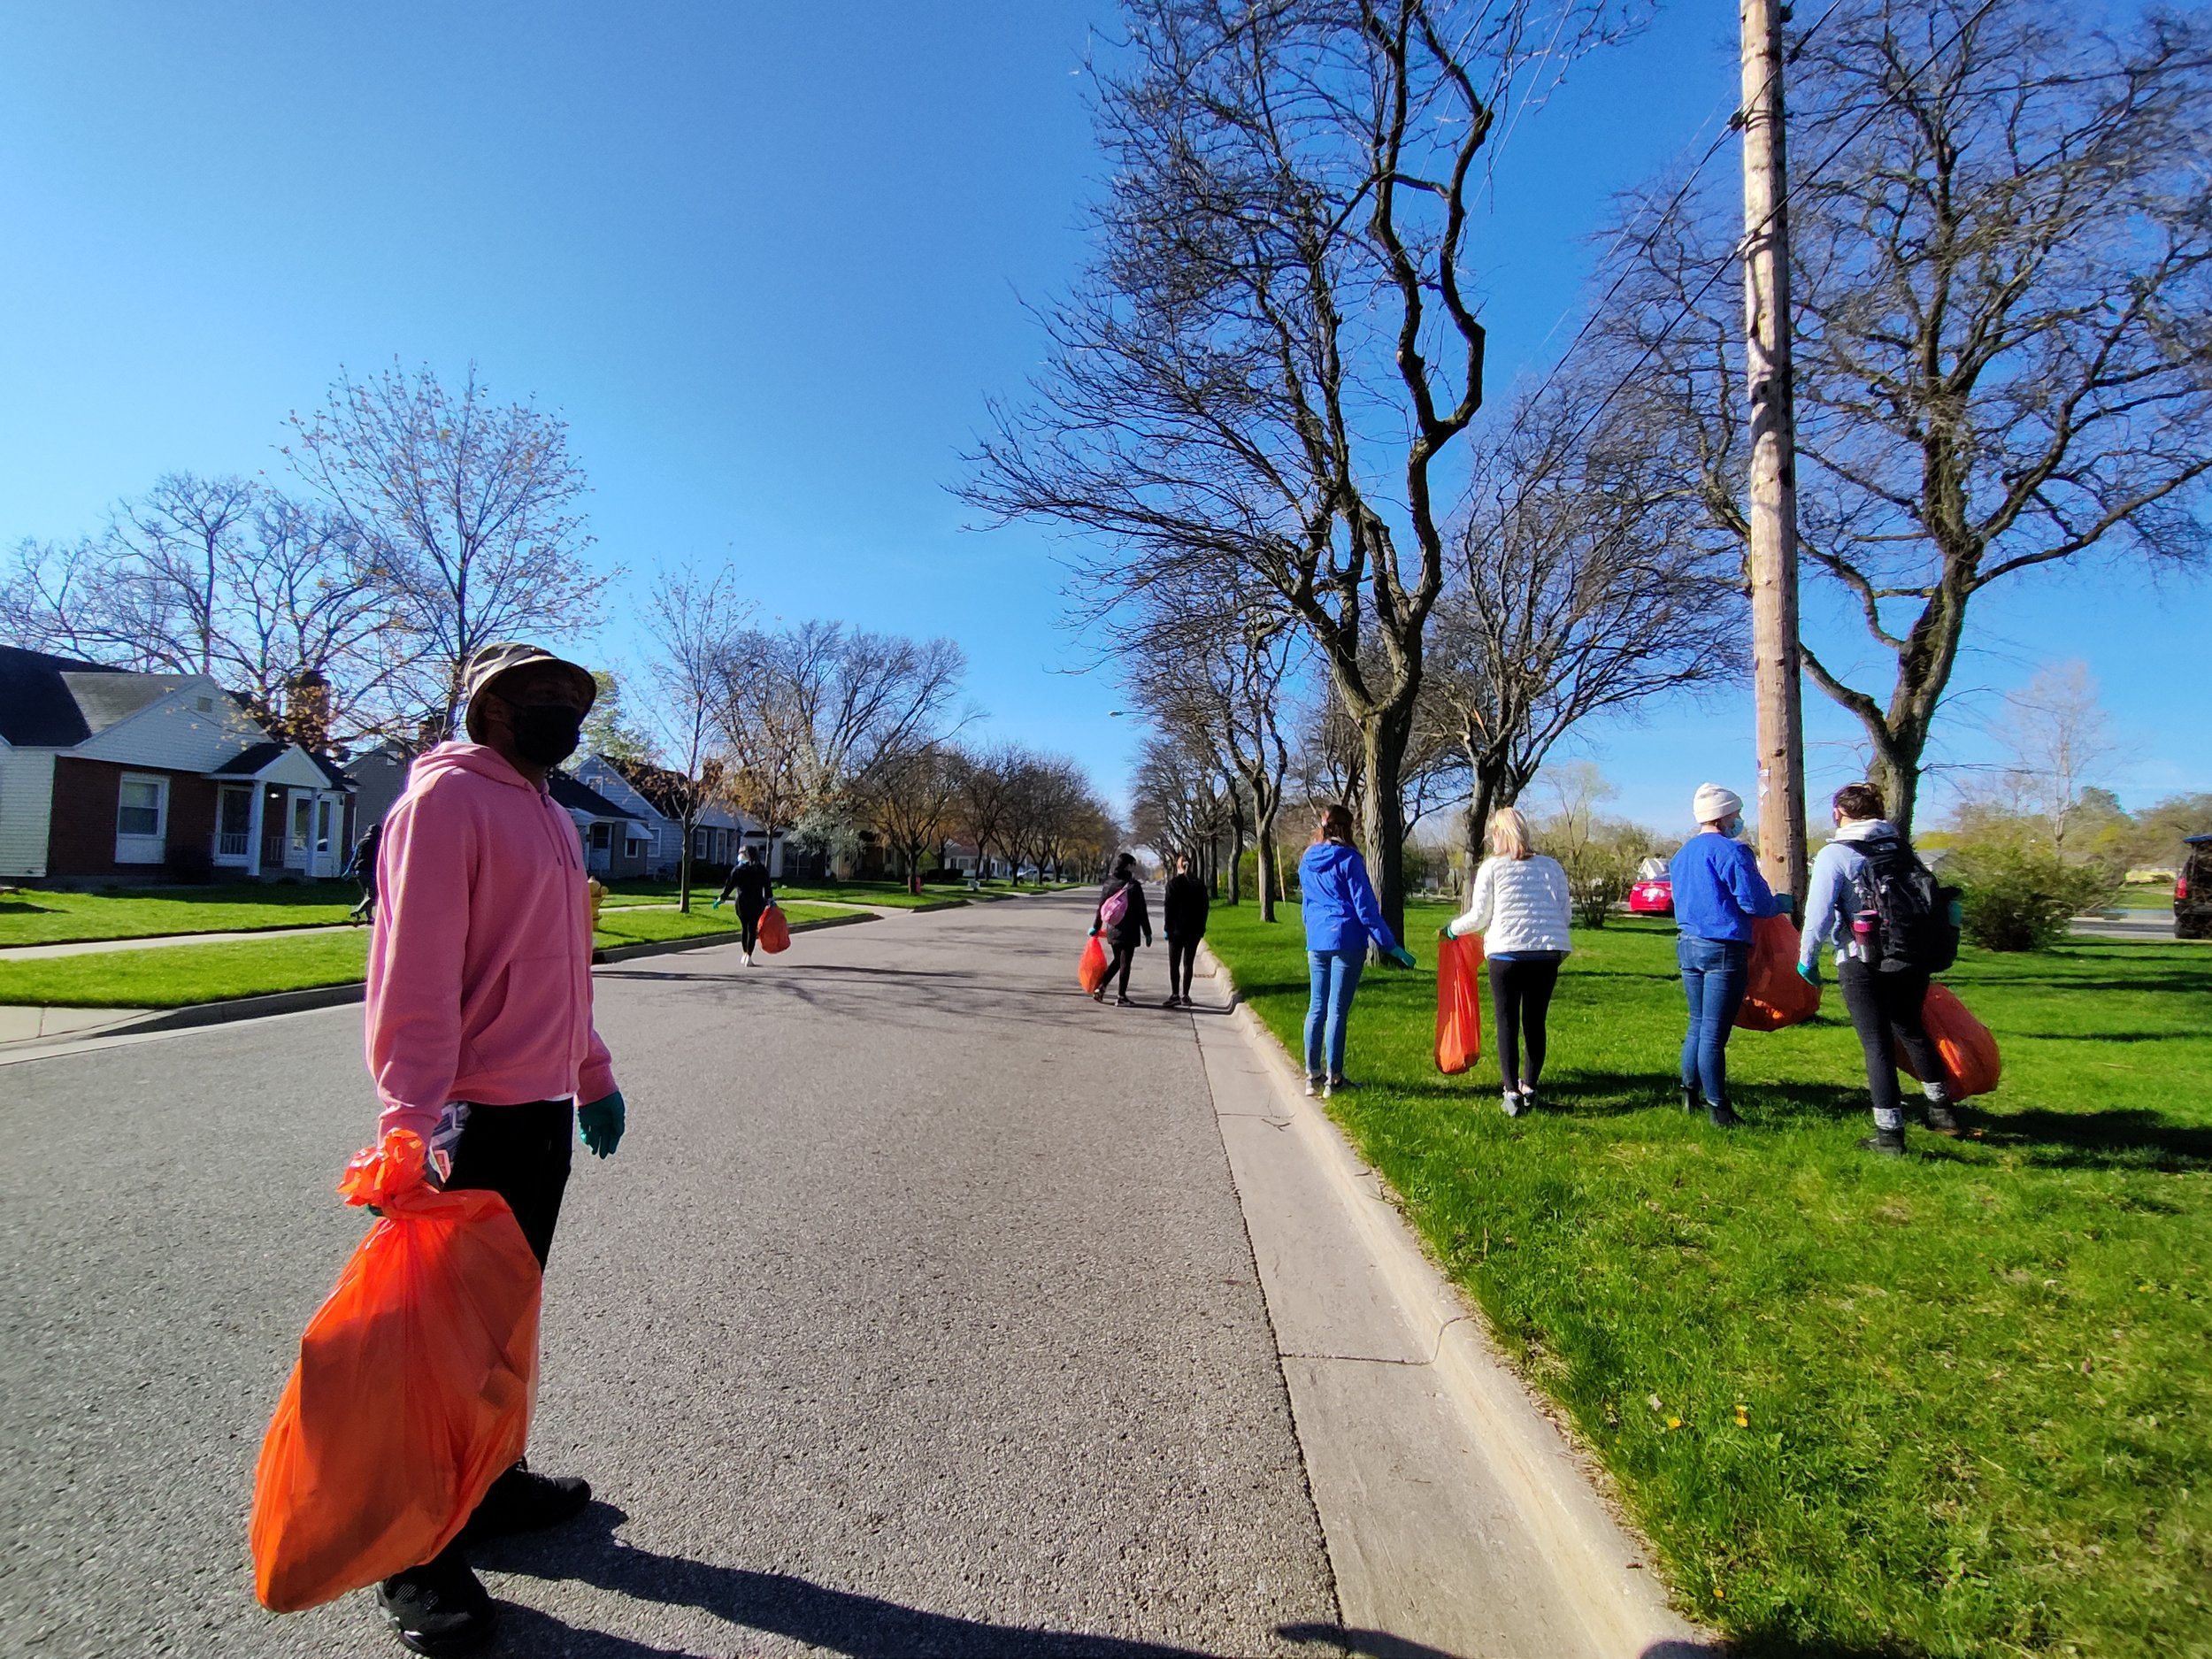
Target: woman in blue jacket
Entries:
(1718, 892)
(1337, 902)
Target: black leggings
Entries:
(748, 924)
(1883, 1005)
(1520, 997)
(1182, 956)
(1117, 970)
(522, 1154)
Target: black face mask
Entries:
(546, 735)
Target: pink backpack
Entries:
(1114, 909)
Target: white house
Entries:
(647, 792)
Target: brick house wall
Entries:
(81, 834)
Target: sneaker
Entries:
(1690, 1101)
(1722, 1117)
(522, 1501)
(1889, 1143)
(1098, 995)
(1313, 1086)
(1510, 1103)
(440, 1607)
(1341, 1082)
(1123, 1002)
(1940, 1118)
(1528, 1097)
(1172, 1001)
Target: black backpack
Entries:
(1918, 931)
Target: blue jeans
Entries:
(1335, 977)
(1713, 972)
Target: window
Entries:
(599, 838)
(141, 819)
(699, 842)
(303, 821)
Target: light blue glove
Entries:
(1401, 955)
(602, 1123)
(715, 905)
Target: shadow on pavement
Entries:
(837, 1621)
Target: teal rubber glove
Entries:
(602, 1123)
(715, 905)
(1401, 955)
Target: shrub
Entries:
(2021, 897)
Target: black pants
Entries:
(521, 1152)
(1182, 956)
(1883, 1007)
(1117, 970)
(748, 924)
(1520, 997)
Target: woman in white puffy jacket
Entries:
(1519, 906)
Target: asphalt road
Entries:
(916, 1316)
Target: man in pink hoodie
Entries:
(479, 1028)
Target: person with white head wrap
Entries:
(1718, 892)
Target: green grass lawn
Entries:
(1956, 1404)
(39, 917)
(174, 976)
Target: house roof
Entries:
(248, 762)
(40, 702)
(580, 797)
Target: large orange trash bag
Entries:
(1091, 970)
(1970, 1062)
(1458, 1003)
(775, 932)
(1775, 994)
(412, 1392)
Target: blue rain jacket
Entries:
(1338, 901)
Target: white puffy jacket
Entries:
(1518, 904)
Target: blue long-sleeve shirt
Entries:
(1719, 890)
(1337, 900)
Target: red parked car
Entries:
(1652, 892)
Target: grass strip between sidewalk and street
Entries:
(180, 976)
(41, 915)
(1953, 1404)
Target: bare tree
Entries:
(2002, 221)
(2059, 741)
(913, 798)
(467, 508)
(694, 621)
(985, 807)
(810, 712)
(1581, 585)
(1276, 343)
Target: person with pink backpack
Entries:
(1123, 919)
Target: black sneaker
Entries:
(1690, 1101)
(1722, 1117)
(1940, 1118)
(1889, 1143)
(521, 1501)
(440, 1607)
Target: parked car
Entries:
(2192, 890)
(1652, 892)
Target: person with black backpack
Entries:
(1894, 928)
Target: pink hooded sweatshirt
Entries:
(480, 968)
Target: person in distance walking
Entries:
(1122, 917)
(1519, 905)
(479, 1029)
(754, 892)
(1183, 912)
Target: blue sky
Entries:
(768, 262)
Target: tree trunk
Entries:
(683, 872)
(1265, 876)
(1384, 734)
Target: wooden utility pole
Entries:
(1773, 515)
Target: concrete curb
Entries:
(1603, 1569)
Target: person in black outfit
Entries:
(1135, 924)
(363, 869)
(755, 893)
(1184, 915)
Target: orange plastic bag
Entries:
(1091, 970)
(1776, 994)
(412, 1392)
(1971, 1064)
(1458, 1002)
(775, 932)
